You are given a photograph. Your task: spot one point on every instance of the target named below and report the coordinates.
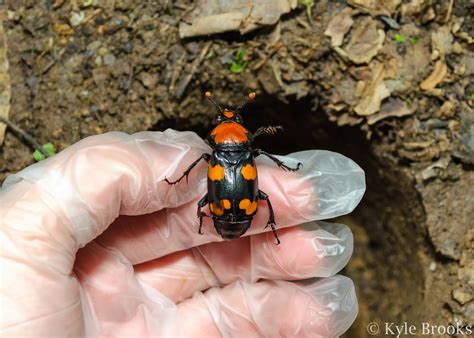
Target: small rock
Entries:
(84, 94)
(85, 113)
(57, 132)
(127, 48)
(148, 80)
(95, 45)
(447, 110)
(432, 266)
(109, 59)
(390, 22)
(77, 18)
(103, 51)
(98, 61)
(461, 297)
(62, 29)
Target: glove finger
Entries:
(100, 177)
(321, 308)
(328, 185)
(316, 249)
(127, 306)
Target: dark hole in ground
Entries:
(387, 225)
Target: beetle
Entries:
(232, 182)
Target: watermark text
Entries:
(423, 329)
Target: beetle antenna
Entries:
(250, 98)
(208, 95)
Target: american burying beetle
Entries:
(232, 184)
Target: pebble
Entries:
(461, 297)
(128, 47)
(109, 59)
(77, 18)
(94, 45)
(98, 61)
(148, 80)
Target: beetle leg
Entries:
(202, 203)
(279, 163)
(268, 130)
(204, 156)
(271, 219)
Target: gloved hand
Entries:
(94, 242)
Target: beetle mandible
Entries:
(232, 183)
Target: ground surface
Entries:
(391, 86)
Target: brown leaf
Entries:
(366, 41)
(376, 7)
(414, 7)
(391, 108)
(436, 77)
(373, 93)
(339, 26)
(217, 16)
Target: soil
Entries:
(394, 91)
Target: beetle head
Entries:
(227, 114)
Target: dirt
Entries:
(395, 93)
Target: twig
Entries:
(181, 87)
(309, 14)
(178, 67)
(25, 135)
(264, 60)
(52, 62)
(449, 11)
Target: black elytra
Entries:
(232, 180)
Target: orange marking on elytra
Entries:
(249, 172)
(228, 114)
(215, 209)
(226, 203)
(230, 132)
(248, 206)
(215, 173)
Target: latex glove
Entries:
(150, 273)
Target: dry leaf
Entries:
(5, 88)
(376, 7)
(373, 93)
(436, 77)
(441, 42)
(339, 26)
(391, 108)
(366, 41)
(414, 7)
(217, 16)
(349, 119)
